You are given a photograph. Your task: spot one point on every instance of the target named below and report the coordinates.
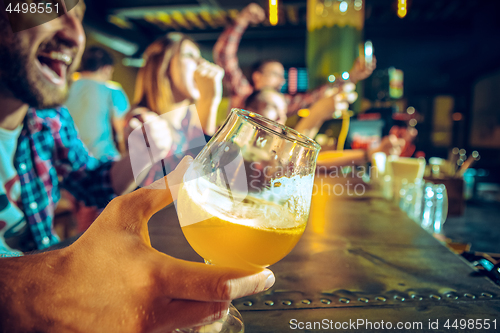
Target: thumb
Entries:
(208, 282)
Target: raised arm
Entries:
(358, 72)
(226, 49)
(304, 100)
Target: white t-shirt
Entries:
(12, 219)
(92, 105)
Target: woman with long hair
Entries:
(176, 91)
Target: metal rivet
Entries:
(417, 297)
(436, 297)
(248, 303)
(399, 298)
(286, 302)
(269, 302)
(364, 299)
(469, 295)
(344, 300)
(381, 299)
(487, 295)
(306, 301)
(452, 296)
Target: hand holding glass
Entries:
(245, 200)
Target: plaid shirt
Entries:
(225, 55)
(49, 156)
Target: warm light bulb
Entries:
(345, 75)
(402, 10)
(273, 12)
(303, 113)
(331, 78)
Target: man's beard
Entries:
(23, 79)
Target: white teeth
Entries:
(61, 57)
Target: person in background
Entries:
(98, 105)
(268, 103)
(173, 78)
(110, 279)
(40, 147)
(268, 73)
(271, 104)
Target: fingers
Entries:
(208, 283)
(208, 78)
(158, 135)
(148, 142)
(253, 13)
(210, 70)
(178, 314)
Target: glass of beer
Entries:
(245, 200)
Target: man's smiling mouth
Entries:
(54, 65)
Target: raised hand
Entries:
(208, 78)
(360, 70)
(253, 13)
(159, 141)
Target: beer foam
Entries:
(285, 204)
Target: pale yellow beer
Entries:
(246, 243)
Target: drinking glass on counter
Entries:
(411, 195)
(403, 170)
(245, 200)
(434, 208)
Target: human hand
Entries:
(208, 78)
(360, 70)
(112, 280)
(336, 99)
(145, 151)
(406, 135)
(390, 145)
(253, 13)
(345, 96)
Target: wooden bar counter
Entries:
(360, 259)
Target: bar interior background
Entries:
(448, 51)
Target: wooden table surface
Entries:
(360, 258)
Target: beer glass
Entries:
(245, 200)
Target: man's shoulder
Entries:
(113, 85)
